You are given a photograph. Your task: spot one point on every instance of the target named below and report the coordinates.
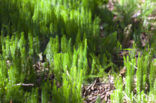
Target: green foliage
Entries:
(52, 48)
(134, 13)
(126, 9)
(142, 72)
(152, 75)
(68, 69)
(34, 96)
(117, 96)
(98, 100)
(67, 33)
(139, 78)
(45, 95)
(130, 64)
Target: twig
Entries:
(25, 85)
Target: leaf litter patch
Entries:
(97, 90)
